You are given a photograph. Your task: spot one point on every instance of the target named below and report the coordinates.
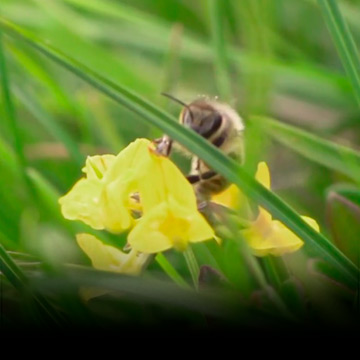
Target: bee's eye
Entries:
(188, 118)
(211, 124)
(216, 121)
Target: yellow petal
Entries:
(311, 222)
(199, 229)
(270, 237)
(146, 235)
(278, 240)
(152, 186)
(103, 257)
(164, 181)
(131, 162)
(229, 197)
(177, 186)
(120, 182)
(96, 166)
(82, 203)
(274, 238)
(283, 240)
(258, 245)
(109, 258)
(263, 175)
(150, 242)
(263, 221)
(169, 225)
(193, 223)
(114, 206)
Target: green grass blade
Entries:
(199, 146)
(51, 125)
(67, 34)
(9, 111)
(48, 196)
(8, 159)
(344, 42)
(11, 270)
(350, 192)
(271, 272)
(36, 69)
(18, 279)
(192, 265)
(143, 289)
(327, 153)
(322, 270)
(342, 209)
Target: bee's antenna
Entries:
(174, 99)
(180, 102)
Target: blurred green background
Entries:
(270, 58)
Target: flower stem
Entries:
(256, 269)
(272, 272)
(170, 270)
(192, 265)
(262, 282)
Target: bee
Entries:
(218, 123)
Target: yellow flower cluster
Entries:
(265, 236)
(146, 194)
(140, 191)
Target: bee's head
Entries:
(202, 118)
(199, 116)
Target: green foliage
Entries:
(343, 41)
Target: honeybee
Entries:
(223, 127)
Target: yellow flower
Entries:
(271, 237)
(171, 218)
(109, 258)
(104, 199)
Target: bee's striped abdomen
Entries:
(207, 182)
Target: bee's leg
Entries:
(193, 179)
(202, 199)
(204, 207)
(197, 174)
(163, 145)
(208, 175)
